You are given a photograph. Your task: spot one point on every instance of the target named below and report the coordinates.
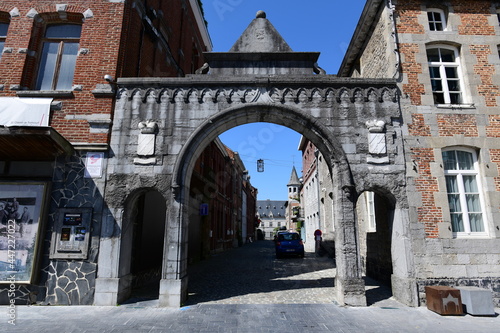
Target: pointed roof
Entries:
(260, 50)
(260, 36)
(294, 179)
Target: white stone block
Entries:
(146, 144)
(477, 301)
(377, 143)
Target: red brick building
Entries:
(223, 202)
(59, 62)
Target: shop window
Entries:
(58, 57)
(464, 197)
(444, 70)
(437, 20)
(3, 34)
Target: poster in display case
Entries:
(22, 208)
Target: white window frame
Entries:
(467, 233)
(370, 211)
(444, 79)
(434, 22)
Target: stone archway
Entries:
(349, 285)
(161, 125)
(141, 244)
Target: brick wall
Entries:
(118, 42)
(457, 124)
(426, 184)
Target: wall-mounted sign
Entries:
(93, 165)
(204, 209)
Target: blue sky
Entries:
(324, 26)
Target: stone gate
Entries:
(161, 125)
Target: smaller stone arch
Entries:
(143, 231)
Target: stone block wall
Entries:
(378, 59)
(65, 282)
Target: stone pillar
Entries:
(404, 286)
(107, 281)
(173, 285)
(349, 285)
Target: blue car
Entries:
(289, 243)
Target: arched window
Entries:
(436, 18)
(463, 187)
(444, 70)
(58, 57)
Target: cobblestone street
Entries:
(248, 290)
(252, 275)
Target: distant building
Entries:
(271, 214)
(316, 198)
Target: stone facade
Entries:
(430, 127)
(316, 199)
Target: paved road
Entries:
(248, 290)
(252, 275)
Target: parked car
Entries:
(279, 232)
(289, 243)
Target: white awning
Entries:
(15, 111)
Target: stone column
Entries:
(108, 281)
(349, 285)
(404, 286)
(173, 285)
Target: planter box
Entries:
(443, 300)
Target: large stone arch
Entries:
(349, 285)
(161, 125)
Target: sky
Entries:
(324, 26)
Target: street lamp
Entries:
(260, 165)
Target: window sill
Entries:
(456, 106)
(45, 93)
(470, 235)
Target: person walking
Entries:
(317, 240)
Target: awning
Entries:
(32, 144)
(15, 111)
(24, 131)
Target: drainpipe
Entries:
(316, 154)
(397, 73)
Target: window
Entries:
(370, 211)
(444, 71)
(436, 19)
(462, 185)
(3, 34)
(58, 57)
